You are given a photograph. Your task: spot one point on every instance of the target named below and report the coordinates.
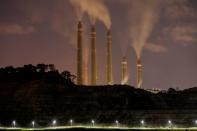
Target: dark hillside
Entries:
(37, 94)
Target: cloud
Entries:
(180, 9)
(16, 29)
(155, 48)
(182, 34)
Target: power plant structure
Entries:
(80, 54)
(82, 68)
(139, 74)
(124, 73)
(93, 56)
(86, 74)
(109, 59)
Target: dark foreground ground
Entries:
(43, 102)
(32, 93)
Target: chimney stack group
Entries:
(109, 72)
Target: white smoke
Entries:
(18, 29)
(143, 16)
(155, 48)
(124, 43)
(95, 9)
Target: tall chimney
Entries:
(86, 75)
(139, 74)
(125, 73)
(93, 56)
(109, 59)
(79, 54)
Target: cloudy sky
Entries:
(163, 33)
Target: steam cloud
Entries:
(155, 48)
(16, 29)
(143, 15)
(95, 10)
(123, 38)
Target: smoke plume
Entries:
(95, 10)
(143, 15)
(155, 48)
(16, 29)
(124, 43)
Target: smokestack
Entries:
(139, 74)
(124, 74)
(79, 54)
(109, 59)
(86, 75)
(93, 56)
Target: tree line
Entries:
(31, 72)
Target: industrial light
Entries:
(142, 122)
(92, 122)
(71, 122)
(14, 123)
(33, 123)
(169, 122)
(117, 122)
(54, 122)
(196, 122)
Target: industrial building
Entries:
(93, 58)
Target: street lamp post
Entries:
(117, 123)
(142, 122)
(93, 122)
(33, 124)
(71, 122)
(54, 122)
(14, 123)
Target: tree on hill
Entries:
(68, 77)
(52, 67)
(42, 67)
(46, 72)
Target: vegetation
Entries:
(30, 72)
(41, 93)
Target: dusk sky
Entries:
(45, 31)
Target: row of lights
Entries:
(54, 123)
(169, 122)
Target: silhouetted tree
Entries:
(10, 69)
(30, 68)
(42, 67)
(2, 71)
(52, 67)
(68, 76)
(171, 90)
